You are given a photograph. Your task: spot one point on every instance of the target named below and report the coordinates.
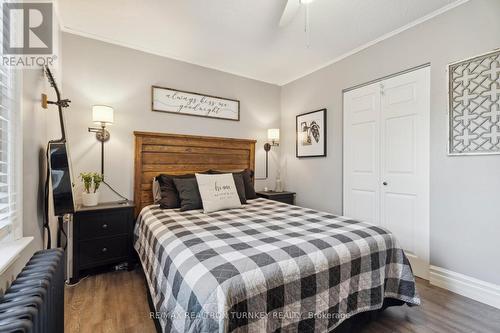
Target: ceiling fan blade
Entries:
(291, 9)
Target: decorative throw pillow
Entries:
(189, 194)
(247, 179)
(169, 195)
(218, 192)
(247, 175)
(156, 191)
(240, 187)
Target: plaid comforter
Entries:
(265, 267)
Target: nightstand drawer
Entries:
(285, 199)
(104, 224)
(101, 251)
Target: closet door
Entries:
(404, 169)
(386, 160)
(362, 154)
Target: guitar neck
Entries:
(53, 84)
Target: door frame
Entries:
(426, 172)
(382, 78)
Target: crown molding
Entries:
(358, 49)
(388, 35)
(158, 53)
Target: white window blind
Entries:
(10, 148)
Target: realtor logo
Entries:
(27, 28)
(27, 34)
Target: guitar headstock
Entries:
(52, 82)
(50, 77)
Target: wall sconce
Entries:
(103, 115)
(273, 135)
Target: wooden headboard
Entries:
(157, 153)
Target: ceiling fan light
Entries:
(306, 2)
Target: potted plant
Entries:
(91, 182)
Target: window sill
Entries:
(11, 251)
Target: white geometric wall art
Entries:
(474, 105)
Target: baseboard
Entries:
(467, 286)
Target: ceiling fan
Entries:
(291, 9)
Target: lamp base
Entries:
(102, 135)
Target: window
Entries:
(10, 148)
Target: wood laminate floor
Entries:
(116, 302)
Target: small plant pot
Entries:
(90, 199)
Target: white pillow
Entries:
(156, 191)
(217, 192)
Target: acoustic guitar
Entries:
(59, 165)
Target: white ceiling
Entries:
(243, 36)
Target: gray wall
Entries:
(100, 73)
(465, 191)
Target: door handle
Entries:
(385, 183)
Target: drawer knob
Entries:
(105, 226)
(104, 249)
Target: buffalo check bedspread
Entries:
(267, 267)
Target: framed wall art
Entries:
(474, 105)
(194, 104)
(311, 134)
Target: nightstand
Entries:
(102, 237)
(285, 197)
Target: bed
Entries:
(265, 267)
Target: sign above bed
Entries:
(194, 104)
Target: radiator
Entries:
(35, 300)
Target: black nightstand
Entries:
(102, 236)
(285, 197)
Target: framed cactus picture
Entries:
(311, 134)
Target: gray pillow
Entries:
(240, 187)
(189, 194)
(169, 195)
(247, 175)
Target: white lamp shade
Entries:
(273, 134)
(102, 114)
